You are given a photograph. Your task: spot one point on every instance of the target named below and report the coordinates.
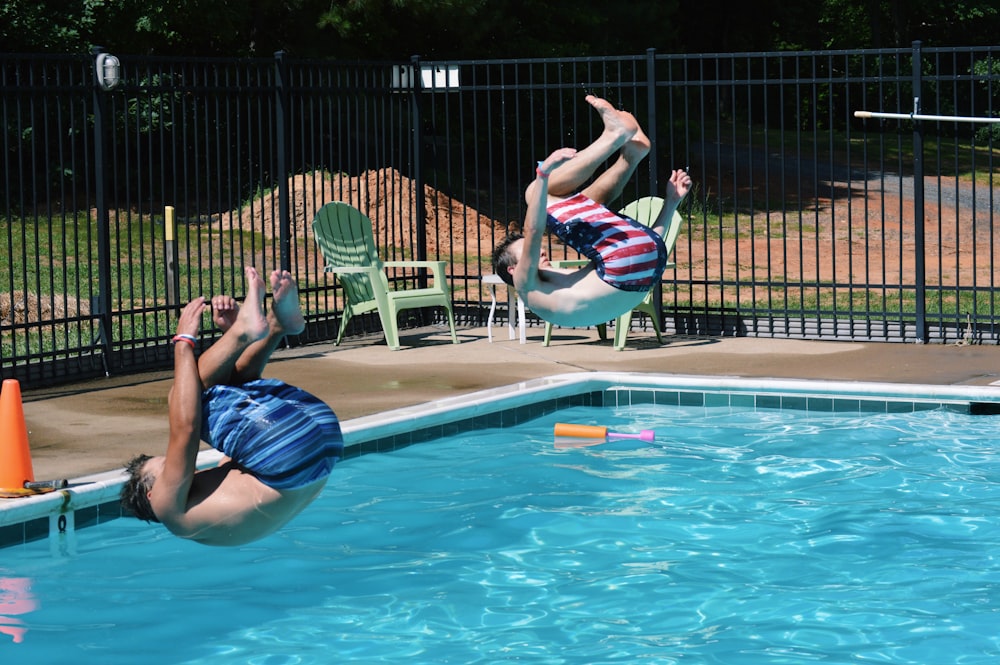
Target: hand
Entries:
(224, 311)
(558, 157)
(678, 186)
(190, 319)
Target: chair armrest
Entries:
(348, 270)
(412, 264)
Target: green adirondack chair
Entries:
(644, 211)
(344, 236)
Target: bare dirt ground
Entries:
(858, 237)
(21, 307)
(853, 236)
(864, 238)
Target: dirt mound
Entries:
(17, 308)
(388, 198)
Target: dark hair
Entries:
(503, 260)
(134, 496)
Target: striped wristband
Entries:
(180, 337)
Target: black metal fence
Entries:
(121, 200)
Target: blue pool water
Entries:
(739, 537)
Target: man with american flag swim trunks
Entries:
(626, 258)
(279, 442)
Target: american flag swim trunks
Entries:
(626, 254)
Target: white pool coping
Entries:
(93, 490)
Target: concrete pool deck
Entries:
(92, 427)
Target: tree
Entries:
(497, 28)
(888, 23)
(479, 29)
(54, 26)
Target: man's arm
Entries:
(169, 496)
(526, 273)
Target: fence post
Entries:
(651, 123)
(653, 186)
(418, 173)
(103, 300)
(918, 201)
(281, 147)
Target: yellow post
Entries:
(171, 252)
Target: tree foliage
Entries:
(476, 29)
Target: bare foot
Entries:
(250, 322)
(285, 310)
(618, 123)
(224, 311)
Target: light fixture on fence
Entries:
(108, 71)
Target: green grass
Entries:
(60, 258)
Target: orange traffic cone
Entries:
(15, 456)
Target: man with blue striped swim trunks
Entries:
(279, 442)
(626, 258)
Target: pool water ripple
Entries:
(737, 537)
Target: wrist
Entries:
(540, 173)
(184, 339)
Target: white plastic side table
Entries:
(513, 300)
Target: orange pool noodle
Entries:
(569, 431)
(15, 456)
(581, 431)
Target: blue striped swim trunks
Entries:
(626, 254)
(281, 434)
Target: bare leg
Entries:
(619, 128)
(609, 185)
(285, 318)
(244, 327)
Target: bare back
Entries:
(578, 297)
(229, 506)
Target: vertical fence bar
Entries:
(420, 209)
(281, 143)
(918, 202)
(651, 134)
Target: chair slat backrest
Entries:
(344, 236)
(646, 210)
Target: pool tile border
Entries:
(93, 500)
(621, 396)
(628, 396)
(497, 419)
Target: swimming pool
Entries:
(856, 525)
